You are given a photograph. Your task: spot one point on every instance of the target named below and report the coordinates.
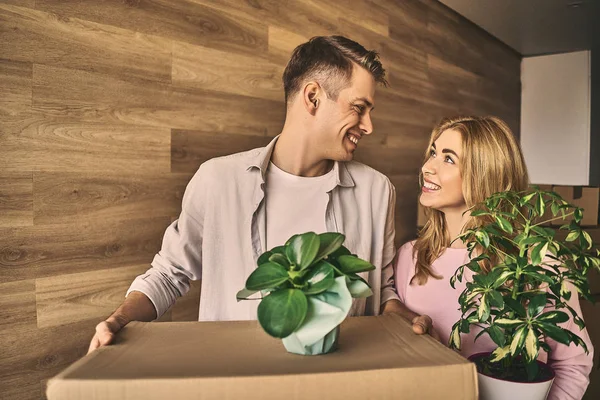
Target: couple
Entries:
(238, 206)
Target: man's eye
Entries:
(359, 109)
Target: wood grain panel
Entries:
(30, 356)
(17, 305)
(183, 20)
(97, 98)
(48, 250)
(16, 86)
(79, 44)
(64, 197)
(367, 14)
(282, 42)
(295, 16)
(15, 149)
(220, 71)
(192, 148)
(33, 141)
(407, 191)
(16, 199)
(62, 144)
(65, 299)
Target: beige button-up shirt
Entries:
(221, 232)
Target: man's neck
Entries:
(295, 154)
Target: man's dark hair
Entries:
(330, 60)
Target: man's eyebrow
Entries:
(364, 99)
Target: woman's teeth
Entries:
(431, 186)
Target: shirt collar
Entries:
(262, 157)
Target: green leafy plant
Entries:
(307, 265)
(520, 301)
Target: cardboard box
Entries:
(378, 358)
(587, 198)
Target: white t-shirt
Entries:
(298, 202)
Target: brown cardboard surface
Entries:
(587, 198)
(378, 358)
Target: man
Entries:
(238, 206)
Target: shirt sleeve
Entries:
(571, 364)
(180, 257)
(388, 289)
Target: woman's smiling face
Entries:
(442, 180)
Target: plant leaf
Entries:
(496, 299)
(588, 239)
(320, 278)
(280, 259)
(504, 224)
(266, 276)
(500, 353)
(244, 294)
(554, 332)
(572, 236)
(518, 340)
(264, 258)
(507, 322)
(483, 312)
(329, 243)
(454, 342)
(536, 305)
(302, 249)
(555, 317)
(532, 346)
(282, 312)
(352, 264)
(482, 238)
(538, 252)
(515, 306)
(497, 335)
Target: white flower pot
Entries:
(491, 388)
(498, 389)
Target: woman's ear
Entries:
(311, 96)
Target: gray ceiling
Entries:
(534, 27)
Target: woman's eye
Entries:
(449, 160)
(431, 153)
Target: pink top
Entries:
(438, 300)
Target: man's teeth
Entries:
(353, 139)
(431, 186)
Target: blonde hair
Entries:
(492, 162)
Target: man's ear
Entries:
(311, 96)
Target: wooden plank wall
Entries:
(108, 107)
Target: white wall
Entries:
(555, 118)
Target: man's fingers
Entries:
(93, 344)
(422, 324)
(104, 336)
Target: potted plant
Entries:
(307, 286)
(522, 295)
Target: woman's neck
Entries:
(455, 221)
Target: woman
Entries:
(467, 160)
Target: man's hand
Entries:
(421, 324)
(105, 333)
(136, 307)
